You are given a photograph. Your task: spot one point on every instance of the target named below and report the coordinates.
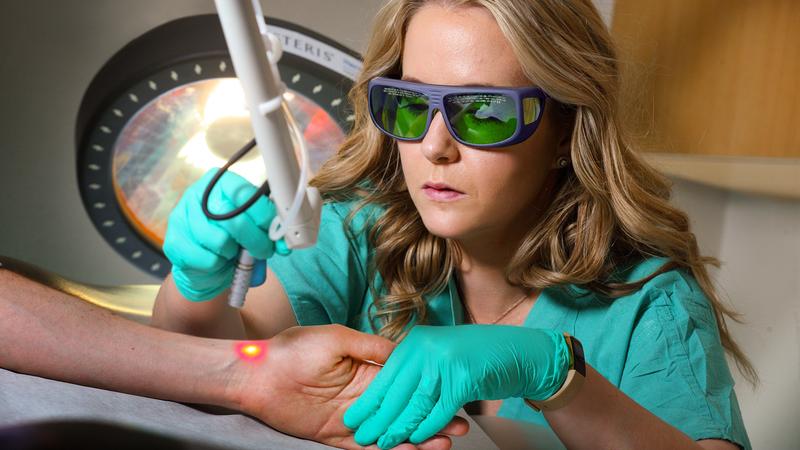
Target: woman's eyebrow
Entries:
(415, 80)
(412, 79)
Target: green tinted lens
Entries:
(482, 118)
(400, 112)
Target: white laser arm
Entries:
(255, 54)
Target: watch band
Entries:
(575, 378)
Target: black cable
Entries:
(263, 190)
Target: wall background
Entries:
(758, 241)
(49, 51)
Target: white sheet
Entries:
(26, 399)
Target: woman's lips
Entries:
(440, 192)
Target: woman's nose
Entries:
(438, 145)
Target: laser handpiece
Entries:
(255, 53)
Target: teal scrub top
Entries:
(659, 345)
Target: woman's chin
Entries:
(446, 227)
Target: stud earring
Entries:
(562, 162)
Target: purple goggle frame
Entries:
(529, 103)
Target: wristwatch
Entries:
(575, 378)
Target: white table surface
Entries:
(26, 399)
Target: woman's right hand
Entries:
(203, 252)
(310, 376)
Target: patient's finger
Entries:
(350, 444)
(435, 443)
(366, 347)
(459, 426)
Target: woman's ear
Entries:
(565, 119)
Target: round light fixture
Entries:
(167, 108)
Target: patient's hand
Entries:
(308, 379)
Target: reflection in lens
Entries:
(177, 137)
(532, 107)
(482, 118)
(403, 113)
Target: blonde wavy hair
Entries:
(608, 210)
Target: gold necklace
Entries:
(499, 318)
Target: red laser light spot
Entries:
(251, 351)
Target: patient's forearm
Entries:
(47, 333)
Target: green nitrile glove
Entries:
(435, 370)
(203, 252)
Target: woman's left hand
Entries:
(435, 370)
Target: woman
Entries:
(486, 182)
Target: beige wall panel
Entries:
(714, 77)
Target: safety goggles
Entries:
(476, 116)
